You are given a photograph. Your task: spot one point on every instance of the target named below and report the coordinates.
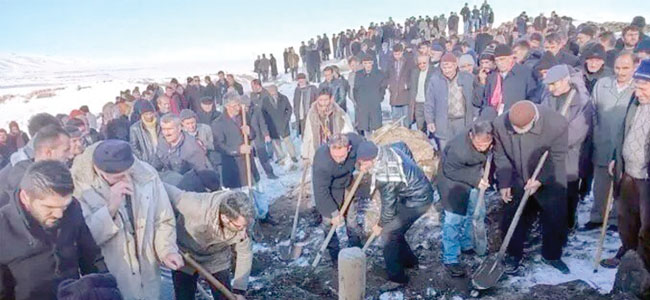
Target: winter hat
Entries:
(556, 73)
(76, 113)
(99, 286)
(206, 100)
(643, 46)
(187, 114)
(466, 59)
(73, 131)
(638, 21)
(547, 61)
(113, 156)
(643, 71)
(594, 51)
(367, 150)
(588, 30)
(145, 106)
(436, 47)
(448, 57)
(502, 50)
(522, 113)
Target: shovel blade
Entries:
(489, 273)
(290, 252)
(479, 237)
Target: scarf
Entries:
(152, 130)
(497, 94)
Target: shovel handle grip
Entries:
(346, 203)
(481, 193)
(213, 281)
(369, 241)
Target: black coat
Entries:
(228, 138)
(193, 97)
(517, 155)
(277, 116)
(369, 89)
(204, 117)
(461, 171)
(519, 84)
(330, 179)
(416, 192)
(33, 261)
(210, 90)
(10, 177)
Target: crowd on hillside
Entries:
(96, 204)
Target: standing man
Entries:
(44, 237)
(448, 109)
(129, 215)
(276, 111)
(222, 88)
(274, 66)
(631, 172)
(406, 194)
(417, 88)
(368, 90)
(522, 135)
(465, 13)
(462, 165)
(332, 169)
(560, 83)
(265, 65)
(303, 96)
(144, 134)
(610, 97)
(294, 63)
(398, 74)
(324, 119)
(335, 85)
(509, 83)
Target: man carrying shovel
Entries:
(406, 194)
(458, 183)
(522, 135)
(332, 170)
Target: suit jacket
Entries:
(398, 82)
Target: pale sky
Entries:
(162, 30)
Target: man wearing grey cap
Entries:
(560, 81)
(128, 212)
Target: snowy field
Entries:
(99, 86)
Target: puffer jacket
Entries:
(205, 239)
(133, 256)
(399, 180)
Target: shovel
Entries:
(479, 233)
(294, 250)
(368, 242)
(346, 203)
(603, 230)
(213, 281)
(490, 271)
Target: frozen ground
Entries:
(101, 86)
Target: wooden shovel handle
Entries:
(213, 281)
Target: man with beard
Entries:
(324, 119)
(43, 217)
(144, 134)
(51, 143)
(303, 96)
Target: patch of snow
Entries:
(579, 256)
(392, 296)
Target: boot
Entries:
(557, 264)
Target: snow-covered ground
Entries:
(102, 85)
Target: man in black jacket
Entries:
(45, 239)
(406, 194)
(461, 176)
(332, 170)
(522, 135)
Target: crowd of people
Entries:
(172, 170)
